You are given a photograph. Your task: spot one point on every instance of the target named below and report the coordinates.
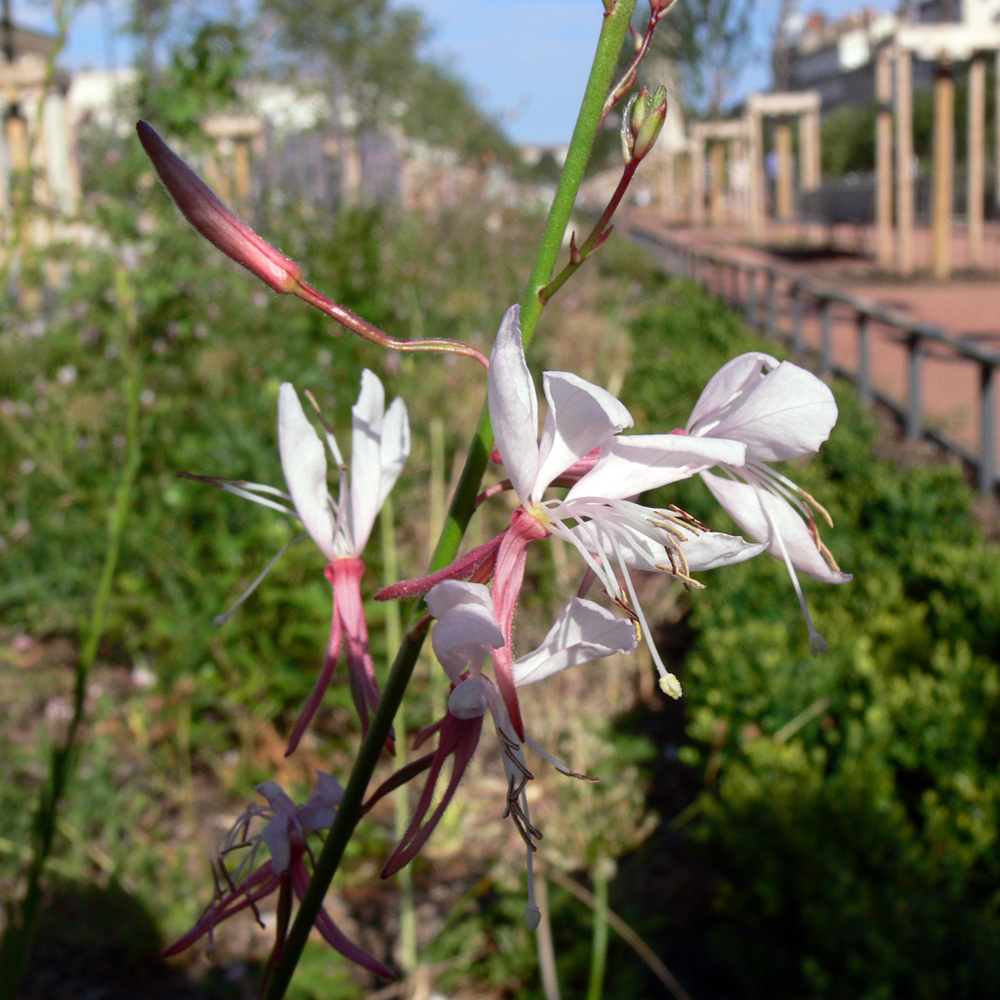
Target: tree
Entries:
(709, 41)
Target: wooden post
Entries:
(976, 158)
(943, 170)
(698, 180)
(16, 138)
(996, 102)
(684, 187)
(669, 186)
(718, 183)
(784, 194)
(757, 178)
(904, 163)
(241, 170)
(883, 159)
(810, 170)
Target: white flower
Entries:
(597, 516)
(777, 411)
(466, 632)
(380, 445)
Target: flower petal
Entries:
(466, 629)
(275, 835)
(304, 463)
(763, 516)
(726, 387)
(514, 406)
(395, 447)
(631, 465)
(319, 812)
(366, 459)
(468, 700)
(705, 551)
(780, 414)
(582, 416)
(584, 631)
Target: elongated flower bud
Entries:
(217, 223)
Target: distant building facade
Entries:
(837, 57)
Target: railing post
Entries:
(914, 401)
(826, 336)
(751, 312)
(864, 365)
(798, 305)
(771, 316)
(987, 427)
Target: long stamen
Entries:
(668, 682)
(817, 644)
(532, 914)
(248, 491)
(220, 620)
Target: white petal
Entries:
(514, 406)
(366, 459)
(304, 463)
(782, 414)
(726, 387)
(319, 812)
(275, 835)
(714, 549)
(450, 594)
(466, 629)
(584, 631)
(762, 515)
(277, 797)
(631, 465)
(395, 447)
(582, 416)
(468, 700)
(703, 552)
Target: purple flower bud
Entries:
(218, 224)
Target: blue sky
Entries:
(527, 60)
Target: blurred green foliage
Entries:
(851, 802)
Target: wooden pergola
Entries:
(723, 137)
(944, 44)
(803, 106)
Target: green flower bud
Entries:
(652, 122)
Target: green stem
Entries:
(393, 637)
(20, 932)
(597, 236)
(609, 45)
(615, 24)
(599, 941)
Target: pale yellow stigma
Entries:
(541, 515)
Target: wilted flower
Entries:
(465, 634)
(285, 835)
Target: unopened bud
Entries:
(532, 917)
(217, 223)
(639, 109)
(628, 136)
(652, 121)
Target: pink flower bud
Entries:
(220, 226)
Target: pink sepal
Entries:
(471, 564)
(459, 737)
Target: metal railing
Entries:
(755, 290)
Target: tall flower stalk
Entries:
(615, 24)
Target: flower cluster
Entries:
(755, 410)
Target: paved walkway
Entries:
(965, 308)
